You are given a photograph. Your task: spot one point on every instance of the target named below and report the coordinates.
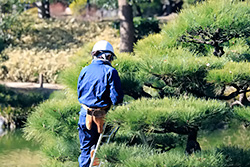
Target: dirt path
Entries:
(29, 86)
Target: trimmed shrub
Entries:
(231, 73)
(122, 155)
(203, 19)
(78, 6)
(173, 113)
(54, 125)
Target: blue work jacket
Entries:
(99, 85)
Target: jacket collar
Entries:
(101, 61)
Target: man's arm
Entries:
(116, 93)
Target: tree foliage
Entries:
(122, 155)
(178, 115)
(171, 86)
(54, 125)
(209, 15)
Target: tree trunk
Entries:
(218, 50)
(126, 26)
(45, 4)
(192, 144)
(243, 100)
(139, 13)
(88, 8)
(43, 9)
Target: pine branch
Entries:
(196, 40)
(214, 39)
(151, 85)
(237, 102)
(233, 94)
(170, 127)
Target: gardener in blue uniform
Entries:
(98, 88)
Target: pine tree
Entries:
(176, 84)
(191, 65)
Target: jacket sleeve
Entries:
(116, 93)
(79, 84)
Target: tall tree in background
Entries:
(44, 9)
(126, 20)
(126, 26)
(126, 12)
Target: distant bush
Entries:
(77, 6)
(145, 26)
(11, 28)
(47, 46)
(148, 8)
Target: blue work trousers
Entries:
(88, 139)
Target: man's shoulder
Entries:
(112, 69)
(108, 66)
(84, 68)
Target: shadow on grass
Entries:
(235, 156)
(16, 104)
(160, 142)
(22, 98)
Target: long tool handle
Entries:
(97, 145)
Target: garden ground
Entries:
(26, 87)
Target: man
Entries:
(98, 88)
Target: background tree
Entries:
(126, 26)
(44, 9)
(126, 21)
(128, 9)
(44, 6)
